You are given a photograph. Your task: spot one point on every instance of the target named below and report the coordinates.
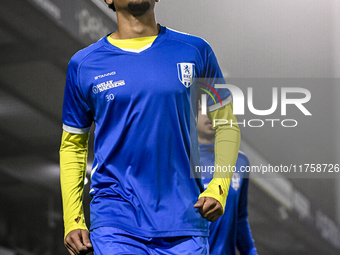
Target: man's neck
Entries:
(130, 26)
(206, 140)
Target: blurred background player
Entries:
(232, 229)
(134, 80)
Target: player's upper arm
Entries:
(223, 116)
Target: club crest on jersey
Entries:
(186, 73)
(235, 181)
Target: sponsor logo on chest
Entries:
(107, 85)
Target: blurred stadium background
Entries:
(261, 44)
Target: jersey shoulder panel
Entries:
(194, 41)
(242, 156)
(199, 44)
(82, 54)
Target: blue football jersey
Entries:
(232, 229)
(144, 107)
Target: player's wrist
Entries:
(213, 191)
(74, 226)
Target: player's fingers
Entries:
(209, 204)
(70, 249)
(69, 243)
(212, 208)
(199, 202)
(214, 213)
(86, 239)
(216, 217)
(213, 218)
(78, 245)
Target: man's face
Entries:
(135, 7)
(204, 127)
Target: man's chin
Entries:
(138, 9)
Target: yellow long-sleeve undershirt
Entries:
(227, 143)
(73, 162)
(132, 44)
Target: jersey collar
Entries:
(163, 32)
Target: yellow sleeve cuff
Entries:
(213, 190)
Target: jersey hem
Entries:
(152, 234)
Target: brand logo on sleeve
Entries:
(186, 73)
(104, 75)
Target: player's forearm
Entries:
(73, 161)
(227, 143)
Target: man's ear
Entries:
(109, 1)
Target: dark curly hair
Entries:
(111, 6)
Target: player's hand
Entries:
(78, 242)
(209, 208)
